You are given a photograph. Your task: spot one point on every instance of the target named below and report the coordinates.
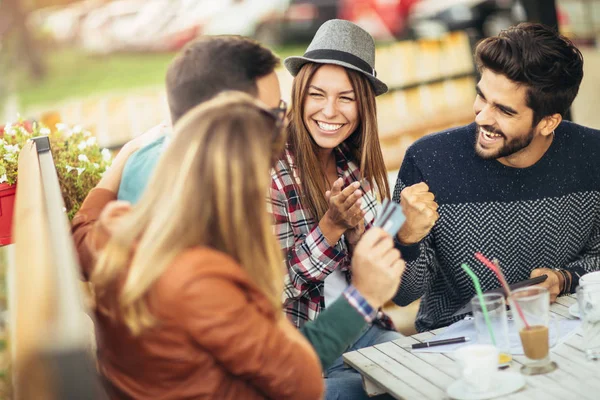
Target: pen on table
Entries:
(425, 345)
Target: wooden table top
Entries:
(390, 368)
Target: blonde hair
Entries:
(208, 190)
(363, 144)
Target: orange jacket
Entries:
(217, 337)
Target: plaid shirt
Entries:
(309, 258)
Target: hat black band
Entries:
(338, 55)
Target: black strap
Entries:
(339, 55)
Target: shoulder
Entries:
(579, 134)
(204, 261)
(283, 173)
(208, 281)
(195, 265)
(150, 152)
(444, 138)
(579, 152)
(447, 142)
(141, 162)
(138, 169)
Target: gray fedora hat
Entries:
(341, 43)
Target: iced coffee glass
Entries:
(532, 322)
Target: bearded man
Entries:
(520, 184)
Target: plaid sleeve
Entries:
(361, 305)
(308, 257)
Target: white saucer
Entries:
(574, 310)
(507, 382)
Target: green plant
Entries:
(79, 161)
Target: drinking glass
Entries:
(588, 299)
(531, 311)
(496, 312)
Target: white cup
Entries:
(590, 278)
(478, 366)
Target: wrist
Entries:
(562, 280)
(568, 281)
(407, 238)
(371, 300)
(361, 303)
(353, 236)
(330, 230)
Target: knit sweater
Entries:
(546, 215)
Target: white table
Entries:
(389, 368)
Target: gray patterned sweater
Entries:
(547, 215)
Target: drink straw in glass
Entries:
(496, 269)
(481, 301)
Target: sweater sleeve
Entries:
(335, 330)
(250, 344)
(87, 235)
(420, 257)
(588, 260)
(308, 258)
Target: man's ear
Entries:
(548, 124)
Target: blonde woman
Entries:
(188, 285)
(326, 186)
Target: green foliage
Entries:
(79, 161)
(74, 74)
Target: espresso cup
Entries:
(478, 365)
(590, 278)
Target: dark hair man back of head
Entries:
(213, 64)
(547, 63)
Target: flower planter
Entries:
(7, 202)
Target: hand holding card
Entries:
(390, 218)
(377, 267)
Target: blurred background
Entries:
(101, 63)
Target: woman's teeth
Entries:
(490, 135)
(329, 127)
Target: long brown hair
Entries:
(208, 190)
(363, 144)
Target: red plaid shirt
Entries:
(309, 258)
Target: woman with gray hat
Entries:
(326, 186)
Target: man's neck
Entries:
(530, 155)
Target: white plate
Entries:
(574, 310)
(507, 382)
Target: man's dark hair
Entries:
(213, 64)
(547, 63)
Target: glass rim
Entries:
(582, 288)
(517, 294)
(486, 296)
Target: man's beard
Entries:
(513, 146)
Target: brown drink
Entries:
(535, 341)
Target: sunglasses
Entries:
(278, 113)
